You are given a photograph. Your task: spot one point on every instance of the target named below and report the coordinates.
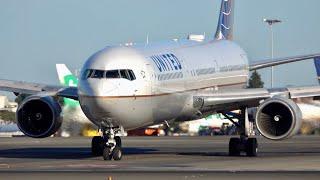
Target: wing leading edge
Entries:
(35, 88)
(234, 99)
(279, 61)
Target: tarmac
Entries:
(159, 158)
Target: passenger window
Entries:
(132, 76)
(98, 74)
(112, 74)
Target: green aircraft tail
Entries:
(66, 78)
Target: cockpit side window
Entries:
(98, 74)
(112, 74)
(127, 74)
(124, 74)
(131, 74)
(87, 74)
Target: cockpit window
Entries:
(132, 76)
(87, 74)
(98, 74)
(112, 74)
(124, 74)
(127, 74)
(109, 74)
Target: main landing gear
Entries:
(108, 146)
(244, 143)
(247, 145)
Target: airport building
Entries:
(5, 104)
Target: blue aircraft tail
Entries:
(225, 24)
(317, 65)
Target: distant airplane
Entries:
(66, 78)
(128, 87)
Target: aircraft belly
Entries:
(130, 113)
(168, 107)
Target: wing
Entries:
(235, 99)
(279, 61)
(34, 88)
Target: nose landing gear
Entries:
(97, 145)
(108, 146)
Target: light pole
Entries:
(271, 22)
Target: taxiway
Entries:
(168, 156)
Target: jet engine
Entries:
(39, 117)
(278, 118)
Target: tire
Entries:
(234, 147)
(118, 141)
(97, 146)
(107, 154)
(117, 153)
(252, 147)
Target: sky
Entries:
(37, 34)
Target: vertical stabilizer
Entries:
(225, 23)
(66, 78)
(317, 65)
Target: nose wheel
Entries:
(108, 146)
(114, 153)
(97, 146)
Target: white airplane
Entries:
(127, 87)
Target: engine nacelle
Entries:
(278, 118)
(39, 117)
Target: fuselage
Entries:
(136, 86)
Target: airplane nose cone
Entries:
(98, 87)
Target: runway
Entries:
(198, 157)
